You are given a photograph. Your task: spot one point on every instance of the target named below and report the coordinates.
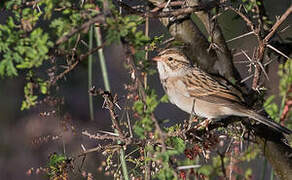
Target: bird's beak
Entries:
(157, 58)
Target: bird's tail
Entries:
(254, 115)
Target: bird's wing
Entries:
(203, 86)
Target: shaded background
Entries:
(19, 129)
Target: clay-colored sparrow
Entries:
(194, 90)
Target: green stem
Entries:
(264, 170)
(107, 88)
(272, 175)
(102, 59)
(90, 73)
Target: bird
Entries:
(195, 91)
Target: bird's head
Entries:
(172, 62)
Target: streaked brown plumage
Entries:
(195, 91)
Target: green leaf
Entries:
(177, 143)
(164, 99)
(139, 107)
(56, 159)
(248, 173)
(43, 87)
(205, 170)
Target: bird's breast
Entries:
(179, 96)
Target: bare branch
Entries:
(278, 23)
(71, 67)
(110, 102)
(170, 13)
(100, 18)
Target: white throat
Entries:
(166, 72)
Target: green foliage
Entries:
(56, 159)
(272, 108)
(285, 84)
(30, 98)
(57, 166)
(29, 94)
(18, 48)
(249, 5)
(33, 49)
(248, 173)
(285, 73)
(250, 154)
(126, 27)
(177, 143)
(165, 173)
(61, 26)
(206, 170)
(145, 123)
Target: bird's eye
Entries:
(170, 58)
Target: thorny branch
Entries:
(72, 66)
(278, 23)
(110, 102)
(262, 42)
(124, 140)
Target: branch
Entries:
(170, 13)
(262, 43)
(110, 102)
(218, 43)
(171, 4)
(279, 155)
(278, 23)
(183, 29)
(71, 67)
(100, 18)
(138, 79)
(246, 19)
(99, 148)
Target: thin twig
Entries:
(240, 36)
(248, 22)
(129, 124)
(138, 78)
(71, 67)
(278, 23)
(276, 50)
(222, 155)
(110, 104)
(100, 18)
(163, 5)
(171, 13)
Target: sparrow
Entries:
(195, 91)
